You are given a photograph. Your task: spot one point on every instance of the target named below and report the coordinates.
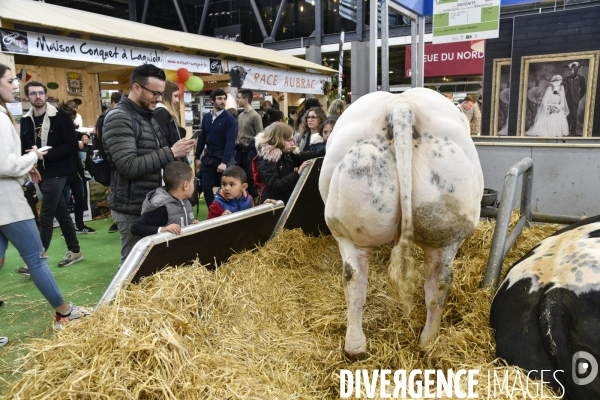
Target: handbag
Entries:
(31, 197)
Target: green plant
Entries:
(330, 89)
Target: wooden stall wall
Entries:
(89, 109)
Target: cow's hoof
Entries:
(363, 355)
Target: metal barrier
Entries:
(212, 242)
(305, 201)
(501, 245)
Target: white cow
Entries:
(400, 168)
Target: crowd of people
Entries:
(142, 154)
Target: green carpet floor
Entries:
(26, 315)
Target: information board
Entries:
(461, 20)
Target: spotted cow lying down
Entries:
(546, 313)
(400, 168)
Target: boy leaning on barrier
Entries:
(232, 196)
(167, 209)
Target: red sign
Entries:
(448, 59)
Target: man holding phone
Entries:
(44, 125)
(137, 150)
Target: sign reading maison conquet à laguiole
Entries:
(461, 20)
(68, 48)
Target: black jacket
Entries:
(276, 169)
(169, 128)
(62, 138)
(137, 152)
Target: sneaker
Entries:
(85, 230)
(70, 258)
(113, 228)
(23, 271)
(75, 312)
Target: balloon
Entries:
(171, 75)
(183, 75)
(195, 84)
(181, 88)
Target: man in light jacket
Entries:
(44, 125)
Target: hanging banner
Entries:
(174, 61)
(260, 78)
(68, 48)
(448, 59)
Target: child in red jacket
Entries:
(232, 195)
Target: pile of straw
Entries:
(269, 324)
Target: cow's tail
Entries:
(401, 276)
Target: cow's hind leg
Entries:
(438, 280)
(355, 273)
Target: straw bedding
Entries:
(269, 324)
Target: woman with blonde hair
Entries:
(279, 163)
(17, 224)
(336, 108)
(166, 115)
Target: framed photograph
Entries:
(557, 94)
(500, 97)
(74, 83)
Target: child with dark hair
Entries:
(232, 195)
(167, 209)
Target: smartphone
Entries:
(196, 134)
(45, 148)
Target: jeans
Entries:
(54, 206)
(243, 157)
(128, 240)
(26, 239)
(210, 176)
(77, 190)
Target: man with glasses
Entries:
(137, 150)
(44, 125)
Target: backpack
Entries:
(100, 166)
(197, 189)
(257, 182)
(101, 169)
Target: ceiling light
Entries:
(391, 72)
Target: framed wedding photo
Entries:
(500, 97)
(557, 94)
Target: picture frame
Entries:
(500, 97)
(74, 83)
(557, 94)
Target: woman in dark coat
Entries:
(167, 116)
(279, 165)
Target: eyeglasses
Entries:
(34, 94)
(312, 117)
(155, 94)
(291, 140)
